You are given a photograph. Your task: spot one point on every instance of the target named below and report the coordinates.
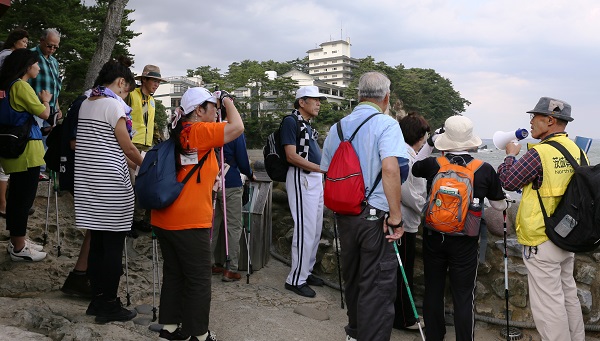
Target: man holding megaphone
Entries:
(552, 290)
(501, 138)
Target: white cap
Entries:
(194, 97)
(310, 91)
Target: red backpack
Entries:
(344, 190)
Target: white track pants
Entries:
(305, 197)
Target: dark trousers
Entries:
(458, 257)
(405, 315)
(21, 194)
(186, 288)
(105, 263)
(369, 270)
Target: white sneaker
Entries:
(27, 255)
(28, 242)
(349, 338)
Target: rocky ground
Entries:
(35, 309)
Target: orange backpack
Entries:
(450, 196)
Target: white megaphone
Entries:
(502, 138)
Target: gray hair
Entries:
(373, 85)
(49, 31)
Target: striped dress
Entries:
(104, 198)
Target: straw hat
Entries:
(458, 135)
(151, 71)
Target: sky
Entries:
(501, 55)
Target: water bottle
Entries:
(473, 219)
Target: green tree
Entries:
(299, 64)
(210, 75)
(160, 120)
(79, 25)
(283, 91)
(249, 74)
(420, 90)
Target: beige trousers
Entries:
(553, 293)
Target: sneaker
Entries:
(141, 225)
(44, 177)
(176, 335)
(217, 269)
(26, 255)
(28, 242)
(31, 211)
(316, 281)
(230, 276)
(302, 290)
(350, 338)
(415, 326)
(109, 311)
(77, 284)
(211, 337)
(94, 306)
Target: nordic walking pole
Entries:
(412, 302)
(506, 277)
(508, 334)
(247, 234)
(127, 274)
(55, 187)
(227, 256)
(222, 154)
(47, 213)
(154, 274)
(337, 253)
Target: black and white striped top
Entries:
(104, 198)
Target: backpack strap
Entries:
(341, 136)
(195, 168)
(569, 158)
(568, 155)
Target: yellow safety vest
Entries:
(143, 125)
(557, 173)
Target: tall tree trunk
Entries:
(107, 39)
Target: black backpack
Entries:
(575, 224)
(59, 156)
(276, 163)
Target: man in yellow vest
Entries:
(142, 117)
(552, 290)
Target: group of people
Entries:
(115, 126)
(400, 152)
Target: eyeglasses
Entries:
(50, 46)
(531, 116)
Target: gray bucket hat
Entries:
(553, 107)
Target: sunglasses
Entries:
(50, 46)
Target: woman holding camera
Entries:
(183, 228)
(104, 196)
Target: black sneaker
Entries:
(211, 337)
(316, 281)
(141, 225)
(77, 284)
(109, 311)
(302, 290)
(176, 335)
